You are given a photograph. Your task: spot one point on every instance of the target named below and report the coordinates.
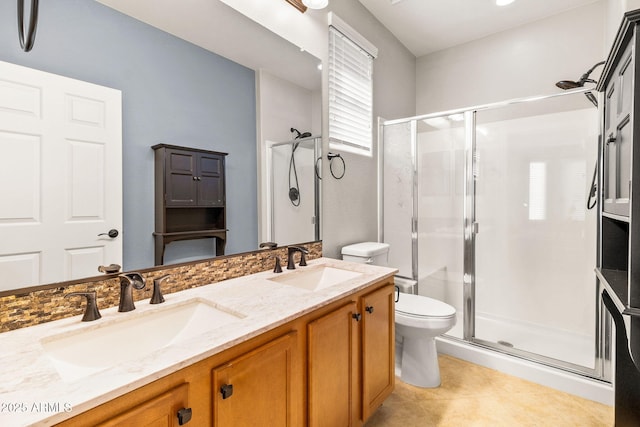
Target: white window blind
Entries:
(350, 95)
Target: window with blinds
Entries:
(350, 95)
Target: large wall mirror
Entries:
(196, 74)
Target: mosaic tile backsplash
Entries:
(40, 306)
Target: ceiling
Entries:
(423, 26)
(219, 28)
(426, 26)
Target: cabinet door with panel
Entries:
(194, 178)
(168, 409)
(333, 368)
(378, 348)
(181, 178)
(210, 179)
(618, 137)
(256, 389)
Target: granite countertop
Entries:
(32, 392)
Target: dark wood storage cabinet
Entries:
(618, 268)
(189, 196)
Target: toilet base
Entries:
(419, 365)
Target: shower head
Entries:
(570, 84)
(300, 135)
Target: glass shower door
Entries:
(440, 157)
(535, 241)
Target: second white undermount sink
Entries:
(97, 347)
(316, 278)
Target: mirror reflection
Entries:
(253, 89)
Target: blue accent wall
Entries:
(173, 92)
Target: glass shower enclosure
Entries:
(486, 208)
(294, 190)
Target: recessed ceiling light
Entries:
(503, 2)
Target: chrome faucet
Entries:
(291, 250)
(127, 282)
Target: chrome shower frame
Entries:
(603, 326)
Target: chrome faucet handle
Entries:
(277, 267)
(127, 282)
(109, 269)
(157, 297)
(91, 312)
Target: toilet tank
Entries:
(375, 253)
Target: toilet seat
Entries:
(419, 306)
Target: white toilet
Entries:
(419, 320)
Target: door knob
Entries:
(369, 309)
(113, 233)
(357, 316)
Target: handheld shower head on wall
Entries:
(570, 84)
(294, 190)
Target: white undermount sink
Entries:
(97, 347)
(316, 278)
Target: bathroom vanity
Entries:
(312, 346)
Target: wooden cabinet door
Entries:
(378, 348)
(256, 389)
(159, 411)
(180, 178)
(333, 368)
(210, 180)
(618, 137)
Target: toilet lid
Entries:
(418, 305)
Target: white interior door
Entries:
(60, 177)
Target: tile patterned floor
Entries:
(475, 396)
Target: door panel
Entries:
(333, 368)
(61, 174)
(261, 387)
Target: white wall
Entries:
(520, 62)
(615, 10)
(350, 204)
(349, 211)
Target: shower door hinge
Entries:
(475, 228)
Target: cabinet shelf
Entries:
(615, 217)
(617, 282)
